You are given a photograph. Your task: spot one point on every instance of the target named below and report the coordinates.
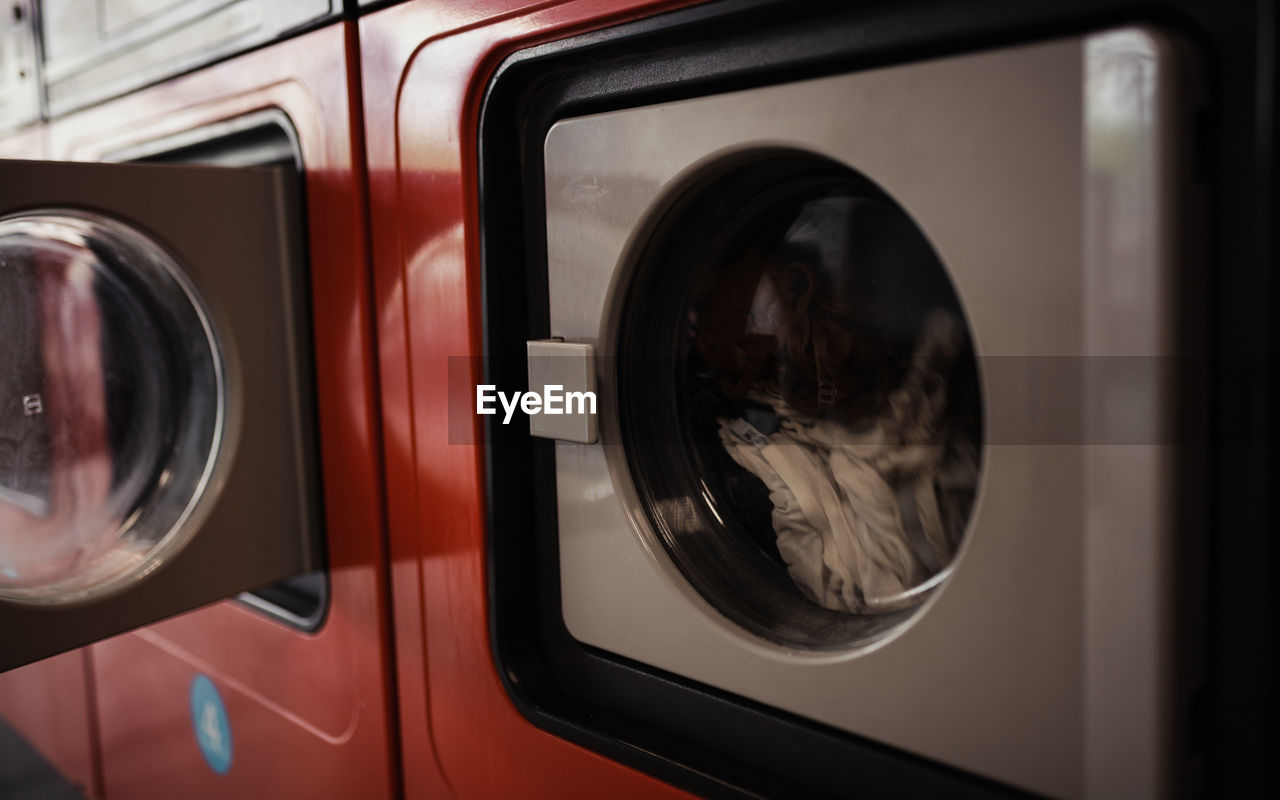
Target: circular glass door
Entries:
(112, 406)
(798, 399)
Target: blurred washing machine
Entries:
(233, 696)
(889, 491)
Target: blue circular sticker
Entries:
(213, 730)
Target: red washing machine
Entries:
(425, 68)
(602, 614)
(1078, 601)
(284, 690)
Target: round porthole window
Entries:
(112, 406)
(798, 399)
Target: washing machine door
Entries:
(889, 373)
(154, 429)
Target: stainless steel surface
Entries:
(19, 65)
(1014, 667)
(1139, 89)
(98, 50)
(112, 404)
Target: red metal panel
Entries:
(50, 704)
(425, 69)
(309, 714)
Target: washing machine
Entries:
(232, 696)
(901, 330)
(863, 457)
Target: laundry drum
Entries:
(113, 407)
(798, 398)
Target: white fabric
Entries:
(835, 491)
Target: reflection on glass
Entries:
(826, 368)
(102, 352)
(823, 389)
